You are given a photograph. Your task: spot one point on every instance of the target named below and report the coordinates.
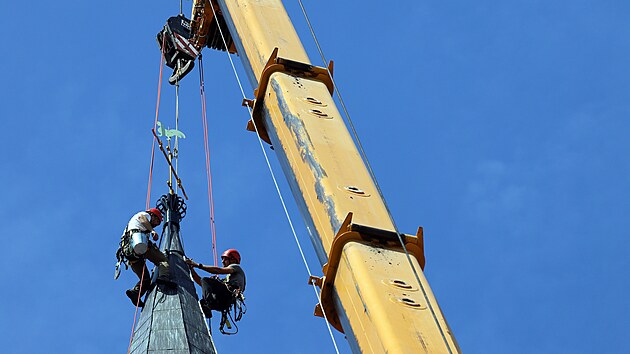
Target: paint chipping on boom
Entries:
(307, 153)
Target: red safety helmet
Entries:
(232, 253)
(156, 212)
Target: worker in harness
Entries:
(136, 247)
(218, 294)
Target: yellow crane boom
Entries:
(372, 290)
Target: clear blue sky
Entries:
(501, 127)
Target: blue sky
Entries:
(501, 127)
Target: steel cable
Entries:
(206, 142)
(150, 182)
(273, 177)
(372, 175)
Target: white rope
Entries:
(371, 172)
(275, 182)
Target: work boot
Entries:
(205, 308)
(181, 69)
(134, 296)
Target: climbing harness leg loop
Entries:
(229, 319)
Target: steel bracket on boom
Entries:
(276, 64)
(364, 234)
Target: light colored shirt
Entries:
(135, 224)
(236, 279)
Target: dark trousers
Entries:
(156, 257)
(216, 294)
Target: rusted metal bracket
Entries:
(358, 233)
(276, 64)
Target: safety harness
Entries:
(124, 253)
(233, 313)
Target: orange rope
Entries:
(207, 151)
(150, 184)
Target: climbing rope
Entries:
(149, 185)
(371, 172)
(157, 110)
(204, 121)
(135, 314)
(275, 182)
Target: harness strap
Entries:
(124, 255)
(133, 231)
(239, 309)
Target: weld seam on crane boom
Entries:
(273, 177)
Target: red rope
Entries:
(149, 185)
(135, 315)
(207, 152)
(157, 110)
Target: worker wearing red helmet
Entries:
(137, 247)
(219, 294)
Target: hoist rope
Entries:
(150, 183)
(206, 145)
(175, 150)
(273, 177)
(371, 172)
(157, 110)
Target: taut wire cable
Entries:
(273, 177)
(175, 151)
(150, 183)
(372, 175)
(157, 110)
(206, 144)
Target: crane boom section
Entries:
(329, 179)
